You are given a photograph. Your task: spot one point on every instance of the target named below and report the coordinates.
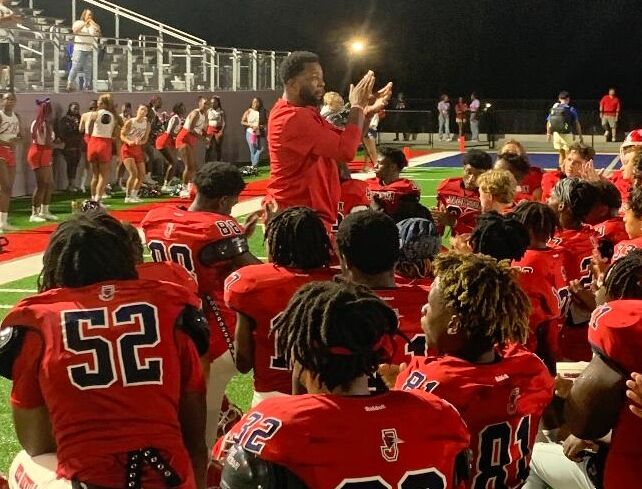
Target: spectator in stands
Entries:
(609, 114)
(255, 121)
(473, 109)
(86, 30)
(401, 104)
(460, 115)
(562, 122)
(443, 108)
(70, 135)
(215, 130)
(305, 148)
(40, 158)
(5, 60)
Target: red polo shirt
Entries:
(609, 105)
(304, 151)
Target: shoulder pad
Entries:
(224, 249)
(11, 340)
(193, 323)
(245, 470)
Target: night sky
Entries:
(501, 48)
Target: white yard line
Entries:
(18, 291)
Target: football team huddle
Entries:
(380, 357)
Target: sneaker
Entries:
(149, 180)
(166, 189)
(607, 134)
(36, 218)
(8, 227)
(184, 194)
(132, 200)
(48, 216)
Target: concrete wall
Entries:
(234, 146)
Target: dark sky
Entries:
(500, 48)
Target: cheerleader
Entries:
(103, 125)
(40, 158)
(134, 136)
(83, 127)
(194, 127)
(9, 136)
(215, 129)
(166, 142)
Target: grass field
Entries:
(240, 389)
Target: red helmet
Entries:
(634, 138)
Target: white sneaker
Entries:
(105, 196)
(132, 200)
(48, 216)
(36, 218)
(166, 189)
(149, 180)
(184, 194)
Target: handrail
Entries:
(147, 22)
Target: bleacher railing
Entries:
(147, 64)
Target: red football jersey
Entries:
(262, 292)
(615, 332)
(531, 182)
(544, 280)
(501, 403)
(359, 441)
(407, 301)
(453, 197)
(549, 180)
(425, 283)
(167, 271)
(612, 229)
(110, 365)
(579, 245)
(623, 248)
(354, 197)
(175, 234)
(623, 184)
(389, 195)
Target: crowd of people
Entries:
(380, 357)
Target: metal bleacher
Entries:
(161, 59)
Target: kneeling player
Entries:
(474, 306)
(335, 335)
(105, 369)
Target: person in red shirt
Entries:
(105, 369)
(210, 244)
(298, 252)
(458, 198)
(529, 178)
(610, 108)
(605, 216)
(335, 335)
(368, 245)
(420, 243)
(497, 191)
(387, 190)
(572, 200)
(578, 163)
(305, 147)
(354, 196)
(633, 225)
(501, 391)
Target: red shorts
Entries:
(8, 155)
(165, 141)
(86, 137)
(134, 152)
(39, 156)
(99, 150)
(186, 138)
(211, 131)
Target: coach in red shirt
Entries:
(610, 113)
(304, 147)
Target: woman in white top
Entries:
(103, 127)
(40, 158)
(134, 136)
(86, 30)
(166, 142)
(254, 119)
(187, 139)
(9, 137)
(215, 129)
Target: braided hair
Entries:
(297, 238)
(538, 218)
(339, 331)
(580, 196)
(624, 277)
(86, 249)
(486, 296)
(502, 237)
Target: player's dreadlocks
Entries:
(578, 195)
(624, 277)
(297, 238)
(537, 217)
(485, 294)
(336, 330)
(84, 250)
(502, 237)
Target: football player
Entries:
(368, 245)
(633, 225)
(105, 369)
(578, 163)
(630, 153)
(474, 307)
(354, 195)
(210, 244)
(529, 178)
(605, 215)
(497, 191)
(419, 242)
(298, 252)
(387, 190)
(572, 200)
(335, 335)
(458, 198)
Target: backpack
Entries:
(560, 119)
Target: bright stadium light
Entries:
(357, 46)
